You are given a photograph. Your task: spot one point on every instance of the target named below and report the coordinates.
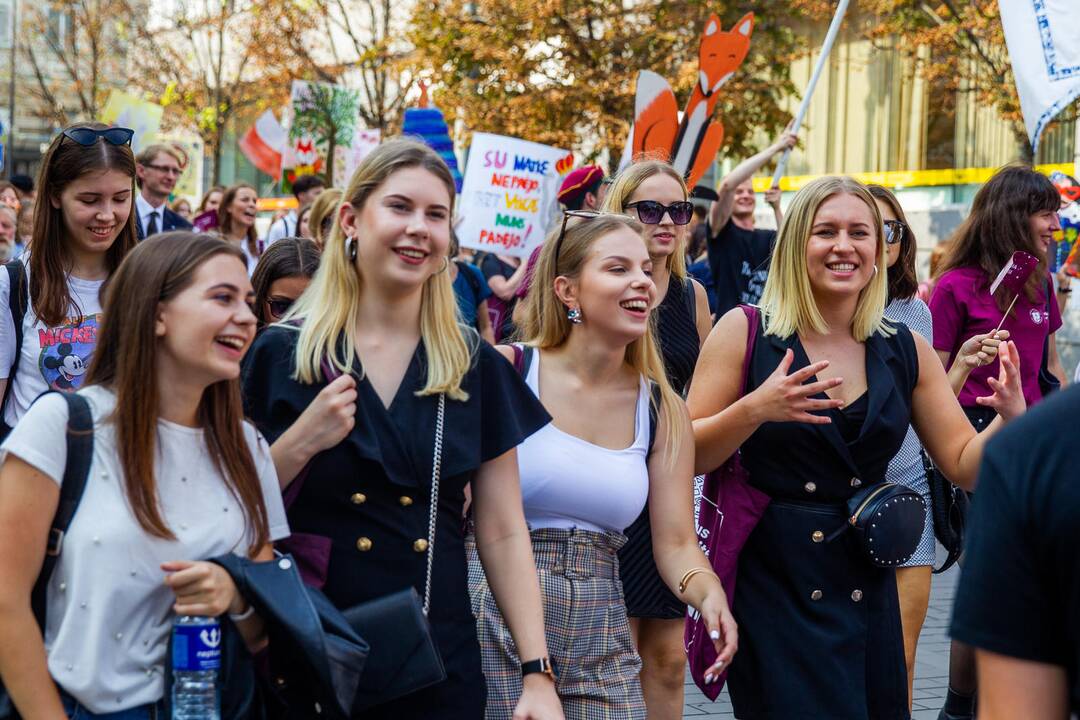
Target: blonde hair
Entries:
(324, 207)
(329, 308)
(626, 184)
(788, 303)
(545, 324)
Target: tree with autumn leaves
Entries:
(557, 71)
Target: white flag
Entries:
(1041, 36)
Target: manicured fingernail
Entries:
(714, 634)
(708, 678)
(720, 665)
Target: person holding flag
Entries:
(1017, 210)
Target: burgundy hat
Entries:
(579, 182)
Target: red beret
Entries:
(578, 182)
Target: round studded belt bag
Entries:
(888, 521)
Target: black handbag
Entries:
(1048, 381)
(403, 657)
(888, 520)
(80, 453)
(949, 508)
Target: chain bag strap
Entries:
(433, 512)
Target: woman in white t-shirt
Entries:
(177, 477)
(83, 227)
(588, 475)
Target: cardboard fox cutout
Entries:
(691, 144)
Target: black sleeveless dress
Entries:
(819, 625)
(646, 594)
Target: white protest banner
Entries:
(508, 198)
(1041, 37)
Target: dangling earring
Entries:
(574, 315)
(350, 248)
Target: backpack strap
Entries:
(18, 303)
(523, 357)
(80, 452)
(470, 277)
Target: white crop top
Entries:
(567, 482)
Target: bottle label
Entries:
(196, 647)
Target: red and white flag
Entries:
(264, 143)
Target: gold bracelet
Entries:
(691, 573)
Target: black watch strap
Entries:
(540, 665)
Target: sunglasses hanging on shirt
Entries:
(651, 212)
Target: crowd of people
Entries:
(517, 439)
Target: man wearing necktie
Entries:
(157, 169)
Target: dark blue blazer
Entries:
(169, 221)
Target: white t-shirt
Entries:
(52, 358)
(282, 228)
(109, 613)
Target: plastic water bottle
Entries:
(196, 659)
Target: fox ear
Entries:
(745, 26)
(712, 26)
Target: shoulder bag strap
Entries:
(433, 511)
(292, 490)
(752, 318)
(80, 452)
(18, 301)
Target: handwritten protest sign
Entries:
(508, 199)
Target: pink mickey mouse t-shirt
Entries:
(963, 307)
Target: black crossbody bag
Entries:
(80, 451)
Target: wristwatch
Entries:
(540, 665)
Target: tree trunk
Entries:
(216, 172)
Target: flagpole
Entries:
(826, 48)
(1006, 315)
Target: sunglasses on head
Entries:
(279, 306)
(88, 136)
(651, 212)
(583, 215)
(894, 231)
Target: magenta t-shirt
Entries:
(963, 307)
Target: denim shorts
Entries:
(75, 711)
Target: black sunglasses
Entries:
(894, 231)
(88, 136)
(278, 307)
(651, 212)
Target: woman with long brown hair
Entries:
(236, 221)
(177, 476)
(83, 227)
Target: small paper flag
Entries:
(1015, 273)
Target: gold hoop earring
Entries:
(445, 267)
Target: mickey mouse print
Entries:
(66, 351)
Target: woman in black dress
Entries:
(655, 193)
(832, 389)
(380, 313)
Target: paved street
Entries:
(931, 662)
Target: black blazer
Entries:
(169, 221)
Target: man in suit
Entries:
(157, 169)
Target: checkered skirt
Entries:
(588, 634)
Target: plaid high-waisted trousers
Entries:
(588, 634)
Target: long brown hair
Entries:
(225, 218)
(50, 260)
(999, 225)
(125, 362)
(903, 282)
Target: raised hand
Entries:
(331, 415)
(784, 398)
(1008, 398)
